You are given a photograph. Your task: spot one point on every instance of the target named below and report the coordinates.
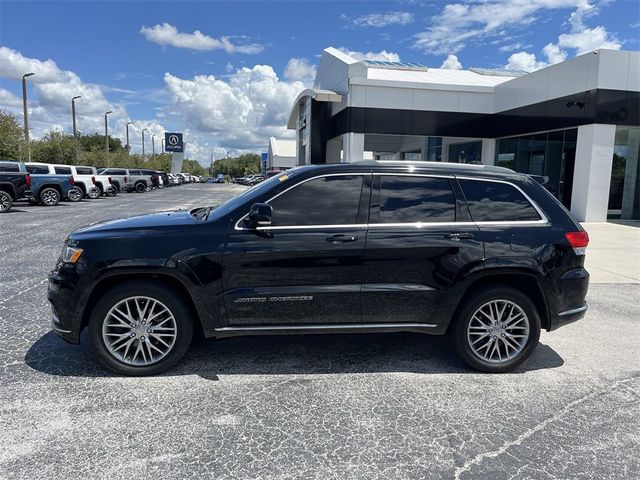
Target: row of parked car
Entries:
(249, 180)
(47, 184)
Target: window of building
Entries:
(38, 169)
(333, 200)
(624, 189)
(84, 170)
(62, 170)
(496, 202)
(470, 152)
(434, 149)
(416, 199)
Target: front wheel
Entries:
(140, 329)
(496, 330)
(5, 202)
(74, 195)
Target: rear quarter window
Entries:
(62, 170)
(490, 201)
(9, 167)
(38, 169)
(84, 171)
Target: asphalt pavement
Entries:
(327, 407)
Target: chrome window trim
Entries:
(515, 223)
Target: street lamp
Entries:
(26, 115)
(162, 145)
(143, 130)
(153, 144)
(106, 130)
(128, 147)
(73, 115)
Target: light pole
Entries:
(128, 146)
(143, 130)
(26, 114)
(106, 130)
(162, 145)
(153, 144)
(73, 114)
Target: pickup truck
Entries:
(15, 183)
(48, 190)
(119, 178)
(143, 180)
(103, 182)
(84, 182)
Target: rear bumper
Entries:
(568, 316)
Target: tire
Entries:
(161, 186)
(111, 191)
(475, 336)
(148, 188)
(75, 195)
(140, 187)
(103, 328)
(49, 197)
(5, 202)
(93, 193)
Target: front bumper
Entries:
(65, 317)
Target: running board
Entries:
(319, 328)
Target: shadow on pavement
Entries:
(296, 354)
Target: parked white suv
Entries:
(83, 182)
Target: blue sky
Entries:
(230, 86)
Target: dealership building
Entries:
(576, 122)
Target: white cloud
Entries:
(167, 34)
(451, 63)
(240, 112)
(300, 69)
(379, 20)
(581, 39)
(381, 55)
(458, 23)
(8, 99)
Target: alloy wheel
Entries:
(75, 195)
(49, 197)
(498, 331)
(5, 202)
(139, 331)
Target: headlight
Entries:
(71, 254)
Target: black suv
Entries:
(483, 254)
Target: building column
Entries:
(352, 147)
(592, 176)
(488, 151)
(334, 147)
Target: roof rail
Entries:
(448, 165)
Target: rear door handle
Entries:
(342, 238)
(458, 236)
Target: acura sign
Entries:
(173, 142)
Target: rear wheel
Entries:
(74, 195)
(49, 197)
(94, 193)
(111, 191)
(140, 187)
(5, 202)
(496, 330)
(140, 329)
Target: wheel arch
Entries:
(10, 188)
(163, 278)
(55, 186)
(528, 282)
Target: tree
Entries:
(246, 164)
(11, 136)
(55, 147)
(95, 143)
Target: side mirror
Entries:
(260, 215)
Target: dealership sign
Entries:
(173, 142)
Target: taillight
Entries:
(110, 181)
(578, 241)
(27, 179)
(125, 179)
(93, 179)
(72, 181)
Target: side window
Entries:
(332, 200)
(84, 171)
(496, 202)
(62, 170)
(135, 172)
(38, 169)
(9, 167)
(416, 199)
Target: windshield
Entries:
(254, 192)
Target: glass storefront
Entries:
(469, 152)
(551, 154)
(624, 190)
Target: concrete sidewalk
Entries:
(613, 255)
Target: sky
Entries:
(226, 73)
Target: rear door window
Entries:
(9, 167)
(38, 169)
(491, 201)
(62, 170)
(415, 199)
(84, 171)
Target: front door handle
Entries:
(342, 238)
(458, 236)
